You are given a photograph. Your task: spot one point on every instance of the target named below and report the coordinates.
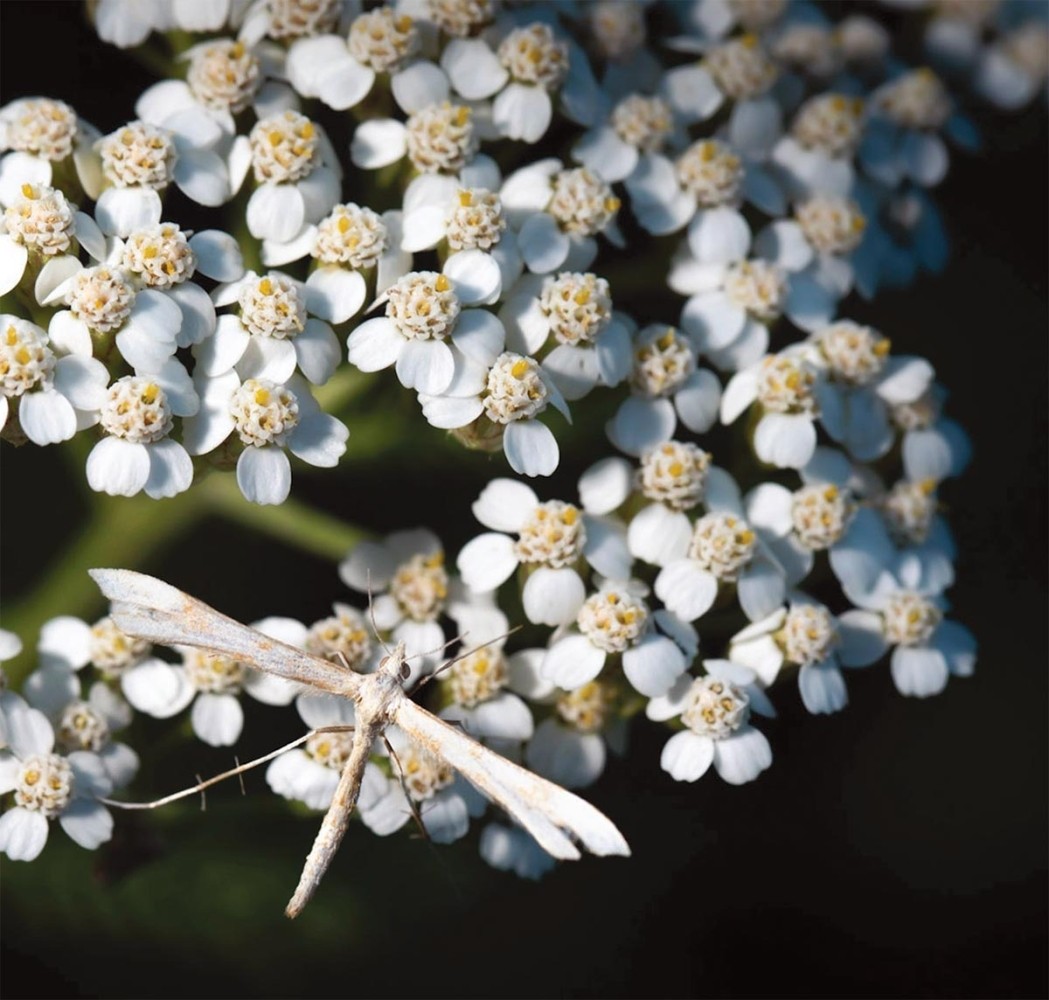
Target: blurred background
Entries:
(896, 849)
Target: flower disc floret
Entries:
(330, 749)
(382, 39)
(533, 55)
(514, 390)
(160, 256)
(617, 28)
(441, 138)
(910, 619)
(855, 354)
(460, 18)
(808, 634)
(343, 636)
(214, 674)
(710, 172)
(830, 223)
(586, 709)
(423, 305)
(26, 361)
(137, 410)
(224, 76)
(663, 361)
(263, 413)
(283, 148)
(578, 307)
(303, 18)
(82, 728)
(476, 221)
(758, 287)
(909, 508)
(674, 474)
(715, 708)
(102, 297)
(582, 203)
(272, 307)
(113, 652)
(553, 535)
(785, 385)
(41, 220)
(138, 155)
(741, 68)
(829, 123)
(643, 122)
(722, 544)
(917, 415)
(44, 784)
(423, 774)
(613, 620)
(43, 127)
(820, 513)
(917, 99)
(1028, 47)
(351, 235)
(420, 586)
(478, 676)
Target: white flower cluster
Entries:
(755, 184)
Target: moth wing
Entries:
(544, 809)
(151, 609)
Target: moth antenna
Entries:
(423, 681)
(371, 614)
(404, 787)
(240, 776)
(203, 796)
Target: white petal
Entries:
(487, 561)
(157, 688)
(170, 469)
(419, 85)
(713, 319)
(476, 276)
(445, 817)
(692, 92)
(505, 504)
(640, 424)
(317, 351)
(335, 294)
(808, 305)
(377, 143)
(785, 440)
(320, 191)
(217, 719)
(698, 400)
(118, 467)
(267, 358)
(918, 671)
(374, 345)
(574, 370)
(573, 760)
(13, 260)
(522, 111)
(473, 68)
(66, 640)
(28, 731)
(23, 834)
(201, 175)
(606, 548)
(18, 168)
(602, 151)
(426, 366)
(958, 646)
(449, 413)
(276, 212)
(862, 638)
(424, 227)
(553, 596)
(87, 823)
(761, 589)
(658, 535)
(653, 664)
(719, 236)
(754, 126)
(926, 157)
(904, 379)
(280, 254)
(572, 662)
(743, 756)
(686, 756)
(264, 475)
(198, 314)
(739, 394)
(783, 243)
(47, 417)
(686, 589)
(531, 448)
(344, 83)
(542, 244)
(309, 57)
(604, 486)
(120, 211)
(822, 688)
(218, 255)
(761, 653)
(55, 272)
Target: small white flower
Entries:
(816, 155)
(438, 138)
(933, 446)
(638, 125)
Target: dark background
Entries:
(896, 849)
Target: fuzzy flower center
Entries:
(663, 361)
(283, 148)
(41, 220)
(829, 123)
(224, 76)
(112, 651)
(138, 155)
(441, 138)
(273, 307)
(533, 55)
(345, 633)
(756, 15)
(909, 509)
(423, 305)
(478, 676)
(715, 708)
(578, 307)
(102, 297)
(910, 619)
(831, 224)
(303, 18)
(476, 221)
(586, 709)
(137, 410)
(351, 235)
(82, 728)
(423, 774)
(44, 784)
(1028, 47)
(785, 385)
(613, 620)
(820, 514)
(382, 39)
(25, 359)
(460, 18)
(515, 390)
(617, 27)
(722, 544)
(582, 203)
(919, 415)
(263, 412)
(330, 749)
(710, 172)
(213, 674)
(553, 535)
(420, 586)
(856, 354)
(758, 287)
(43, 127)
(917, 99)
(159, 256)
(808, 634)
(643, 122)
(741, 68)
(674, 474)
(809, 48)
